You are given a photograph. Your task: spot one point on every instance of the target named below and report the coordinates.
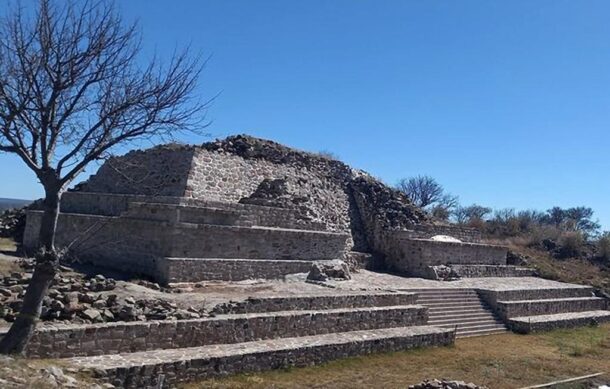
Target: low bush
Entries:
(571, 244)
(603, 246)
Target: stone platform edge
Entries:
(128, 337)
(145, 370)
(530, 324)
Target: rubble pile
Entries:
(74, 298)
(445, 384)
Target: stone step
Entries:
(472, 333)
(536, 294)
(464, 309)
(472, 327)
(459, 308)
(437, 296)
(147, 369)
(460, 316)
(458, 313)
(124, 337)
(463, 321)
(456, 300)
(442, 292)
(451, 304)
(316, 302)
(527, 324)
(510, 309)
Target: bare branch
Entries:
(71, 82)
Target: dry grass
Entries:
(8, 264)
(499, 361)
(573, 270)
(7, 244)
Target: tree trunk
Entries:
(47, 262)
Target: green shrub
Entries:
(603, 246)
(571, 244)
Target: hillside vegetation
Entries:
(564, 244)
(12, 203)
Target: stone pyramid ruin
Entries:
(244, 208)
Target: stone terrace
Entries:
(273, 323)
(275, 332)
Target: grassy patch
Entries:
(8, 265)
(7, 244)
(499, 361)
(587, 341)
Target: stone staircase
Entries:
(256, 334)
(459, 309)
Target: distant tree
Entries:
(72, 88)
(582, 220)
(503, 222)
(421, 190)
(425, 192)
(444, 207)
(555, 216)
(603, 246)
(573, 219)
(471, 214)
(529, 218)
(504, 216)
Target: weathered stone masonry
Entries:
(72, 340)
(244, 198)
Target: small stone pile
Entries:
(74, 298)
(445, 384)
(445, 273)
(331, 270)
(21, 373)
(12, 224)
(69, 298)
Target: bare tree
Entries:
(421, 190)
(425, 192)
(72, 88)
(444, 207)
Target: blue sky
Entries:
(507, 104)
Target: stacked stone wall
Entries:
(137, 245)
(178, 366)
(416, 256)
(492, 297)
(476, 271)
(194, 270)
(552, 322)
(242, 214)
(510, 309)
(318, 302)
(426, 231)
(64, 341)
(160, 171)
